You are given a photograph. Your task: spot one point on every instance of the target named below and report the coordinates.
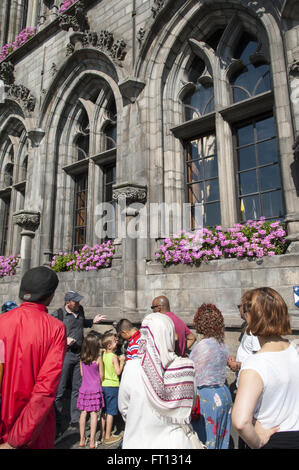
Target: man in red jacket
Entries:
(35, 345)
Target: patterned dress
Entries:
(90, 393)
(213, 427)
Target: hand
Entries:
(6, 446)
(98, 318)
(122, 358)
(263, 433)
(233, 364)
(70, 341)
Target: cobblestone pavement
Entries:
(71, 437)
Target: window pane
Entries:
(245, 48)
(196, 193)
(272, 204)
(239, 94)
(264, 84)
(270, 177)
(200, 101)
(267, 152)
(248, 182)
(211, 167)
(245, 135)
(212, 190)
(246, 158)
(212, 214)
(205, 171)
(265, 128)
(250, 208)
(209, 145)
(195, 171)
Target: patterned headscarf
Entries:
(168, 379)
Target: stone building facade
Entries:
(149, 102)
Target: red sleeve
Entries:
(29, 423)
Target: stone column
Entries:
(292, 176)
(32, 15)
(127, 195)
(29, 222)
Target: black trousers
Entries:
(70, 371)
(283, 440)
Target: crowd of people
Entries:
(168, 384)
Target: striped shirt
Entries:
(133, 346)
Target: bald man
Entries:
(183, 336)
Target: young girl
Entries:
(113, 367)
(90, 399)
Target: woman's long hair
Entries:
(209, 322)
(90, 349)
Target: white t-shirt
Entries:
(278, 404)
(249, 345)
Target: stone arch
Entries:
(92, 72)
(160, 62)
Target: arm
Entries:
(30, 422)
(190, 340)
(101, 368)
(81, 371)
(249, 390)
(118, 363)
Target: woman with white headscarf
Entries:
(157, 390)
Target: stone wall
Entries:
(221, 282)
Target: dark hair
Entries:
(209, 321)
(268, 314)
(90, 348)
(124, 324)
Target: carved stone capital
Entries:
(7, 72)
(131, 89)
(28, 220)
(130, 193)
(35, 136)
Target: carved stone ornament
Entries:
(130, 193)
(141, 34)
(7, 72)
(296, 148)
(102, 41)
(28, 220)
(294, 68)
(78, 21)
(23, 96)
(158, 5)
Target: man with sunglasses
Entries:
(184, 338)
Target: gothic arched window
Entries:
(253, 76)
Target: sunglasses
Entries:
(155, 306)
